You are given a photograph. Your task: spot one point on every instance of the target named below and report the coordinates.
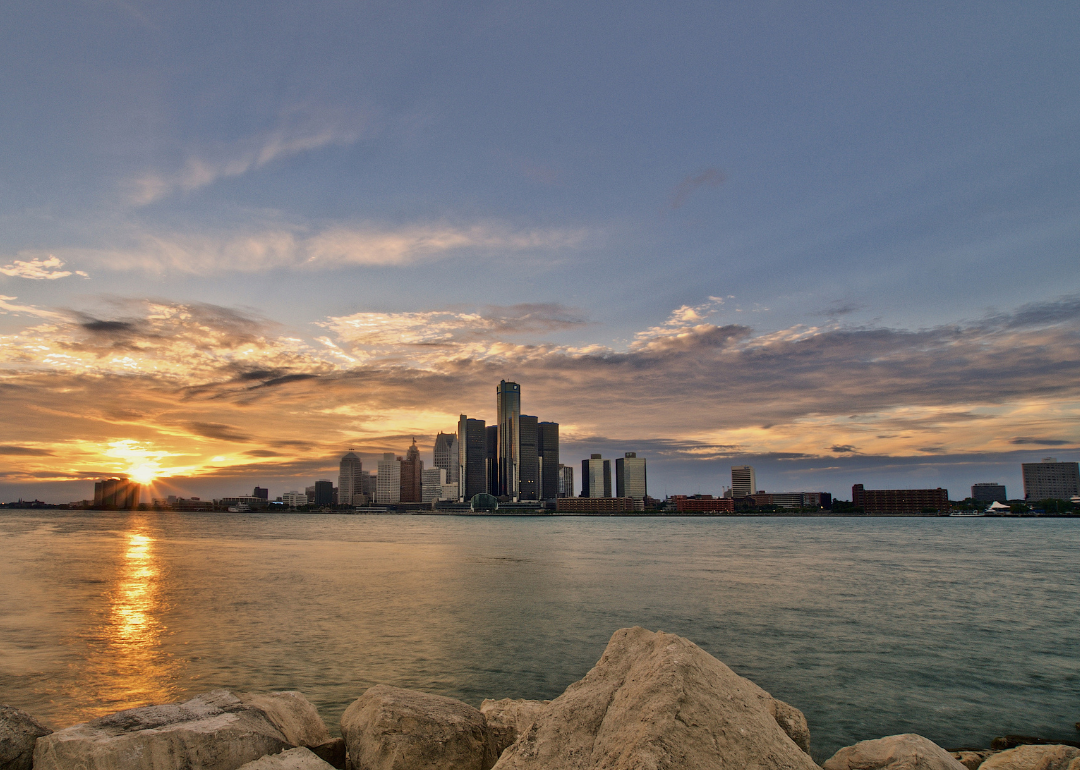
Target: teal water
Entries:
(956, 629)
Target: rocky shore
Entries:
(653, 701)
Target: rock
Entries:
(18, 733)
(970, 758)
(1012, 741)
(332, 752)
(218, 730)
(507, 718)
(897, 752)
(656, 701)
(791, 721)
(389, 728)
(293, 759)
(1033, 758)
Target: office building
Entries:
(388, 480)
(446, 456)
(350, 478)
(702, 504)
(472, 457)
(310, 492)
(261, 492)
(743, 481)
(988, 492)
(492, 462)
(566, 481)
(900, 500)
(630, 476)
(324, 493)
(116, 492)
(596, 477)
(1051, 480)
(508, 416)
(294, 499)
(528, 458)
(434, 481)
(547, 447)
(411, 480)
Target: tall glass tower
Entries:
(508, 412)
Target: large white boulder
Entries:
(18, 733)
(389, 728)
(896, 752)
(218, 730)
(1051, 757)
(293, 759)
(657, 701)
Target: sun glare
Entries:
(144, 474)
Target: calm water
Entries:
(956, 629)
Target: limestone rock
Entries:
(508, 717)
(1034, 758)
(791, 721)
(18, 733)
(218, 730)
(389, 728)
(897, 752)
(657, 701)
(293, 759)
(972, 760)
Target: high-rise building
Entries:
(630, 476)
(310, 492)
(988, 492)
(491, 463)
(1051, 480)
(350, 481)
(262, 493)
(547, 446)
(117, 492)
(743, 480)
(434, 479)
(324, 493)
(411, 481)
(566, 481)
(446, 456)
(508, 416)
(388, 482)
(528, 458)
(596, 477)
(472, 457)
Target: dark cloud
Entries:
(285, 380)
(837, 309)
(220, 431)
(109, 327)
(842, 448)
(710, 177)
(8, 449)
(1041, 441)
(262, 453)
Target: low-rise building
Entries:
(702, 504)
(899, 500)
(595, 505)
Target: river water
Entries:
(956, 629)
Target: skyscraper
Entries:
(528, 458)
(508, 415)
(324, 493)
(566, 481)
(630, 476)
(547, 446)
(117, 493)
(411, 480)
(743, 481)
(472, 457)
(446, 456)
(492, 461)
(1051, 480)
(596, 477)
(350, 481)
(388, 482)
(434, 480)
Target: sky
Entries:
(836, 241)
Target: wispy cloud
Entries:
(710, 177)
(300, 130)
(7, 306)
(49, 268)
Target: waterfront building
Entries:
(411, 480)
(350, 481)
(566, 481)
(472, 457)
(743, 481)
(547, 447)
(117, 492)
(596, 505)
(1051, 480)
(630, 476)
(508, 416)
(294, 499)
(262, 492)
(899, 500)
(434, 481)
(596, 477)
(702, 504)
(492, 461)
(446, 456)
(988, 492)
(528, 458)
(324, 493)
(388, 480)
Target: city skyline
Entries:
(835, 243)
